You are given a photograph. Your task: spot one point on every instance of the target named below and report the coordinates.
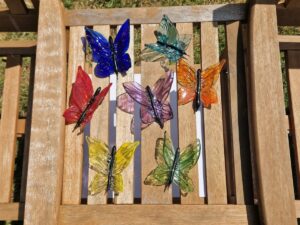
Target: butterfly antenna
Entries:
(164, 65)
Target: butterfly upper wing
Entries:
(101, 53)
(125, 103)
(82, 91)
(162, 86)
(186, 75)
(166, 32)
(124, 156)
(189, 157)
(137, 93)
(150, 55)
(172, 54)
(166, 113)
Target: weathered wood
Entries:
(293, 65)
(288, 16)
(17, 47)
(16, 6)
(276, 196)
(45, 169)
(123, 134)
(214, 141)
(73, 153)
(8, 126)
(11, 211)
(178, 14)
(238, 117)
(187, 123)
(99, 127)
(18, 23)
(27, 130)
(158, 214)
(289, 42)
(150, 72)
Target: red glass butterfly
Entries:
(83, 101)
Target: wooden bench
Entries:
(245, 135)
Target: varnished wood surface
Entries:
(289, 42)
(11, 211)
(16, 6)
(19, 47)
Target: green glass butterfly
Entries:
(169, 43)
(173, 166)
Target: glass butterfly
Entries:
(154, 104)
(110, 55)
(108, 165)
(173, 166)
(169, 43)
(198, 87)
(83, 101)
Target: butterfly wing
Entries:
(150, 55)
(189, 157)
(166, 113)
(158, 177)
(162, 87)
(117, 185)
(185, 95)
(82, 91)
(137, 93)
(172, 54)
(101, 51)
(184, 182)
(98, 184)
(125, 103)
(208, 78)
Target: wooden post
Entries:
(276, 195)
(45, 169)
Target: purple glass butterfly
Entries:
(110, 55)
(154, 104)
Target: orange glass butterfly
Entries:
(198, 86)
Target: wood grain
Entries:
(16, 6)
(150, 72)
(289, 42)
(19, 47)
(11, 211)
(293, 65)
(276, 195)
(177, 14)
(213, 132)
(123, 134)
(73, 155)
(8, 126)
(158, 214)
(238, 116)
(99, 127)
(45, 169)
(187, 122)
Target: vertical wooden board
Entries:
(45, 169)
(187, 122)
(8, 127)
(16, 6)
(123, 133)
(150, 72)
(99, 127)
(293, 65)
(72, 179)
(213, 132)
(276, 195)
(27, 130)
(238, 122)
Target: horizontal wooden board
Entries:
(288, 16)
(289, 42)
(150, 15)
(16, 6)
(11, 211)
(17, 47)
(293, 3)
(19, 23)
(157, 214)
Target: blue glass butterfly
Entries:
(110, 55)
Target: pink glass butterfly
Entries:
(154, 104)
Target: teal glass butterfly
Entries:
(169, 43)
(173, 166)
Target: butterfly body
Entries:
(110, 55)
(173, 169)
(197, 100)
(111, 162)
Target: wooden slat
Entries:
(288, 16)
(18, 23)
(297, 206)
(16, 6)
(150, 73)
(272, 152)
(238, 118)
(293, 4)
(100, 121)
(73, 154)
(158, 214)
(178, 14)
(8, 126)
(187, 123)
(123, 134)
(17, 47)
(214, 141)
(293, 65)
(45, 169)
(11, 211)
(289, 42)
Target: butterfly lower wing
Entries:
(123, 63)
(124, 156)
(117, 185)
(72, 114)
(209, 96)
(184, 182)
(167, 113)
(172, 54)
(150, 55)
(158, 177)
(104, 68)
(185, 95)
(98, 184)
(161, 88)
(189, 157)
(125, 103)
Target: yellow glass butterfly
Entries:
(108, 165)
